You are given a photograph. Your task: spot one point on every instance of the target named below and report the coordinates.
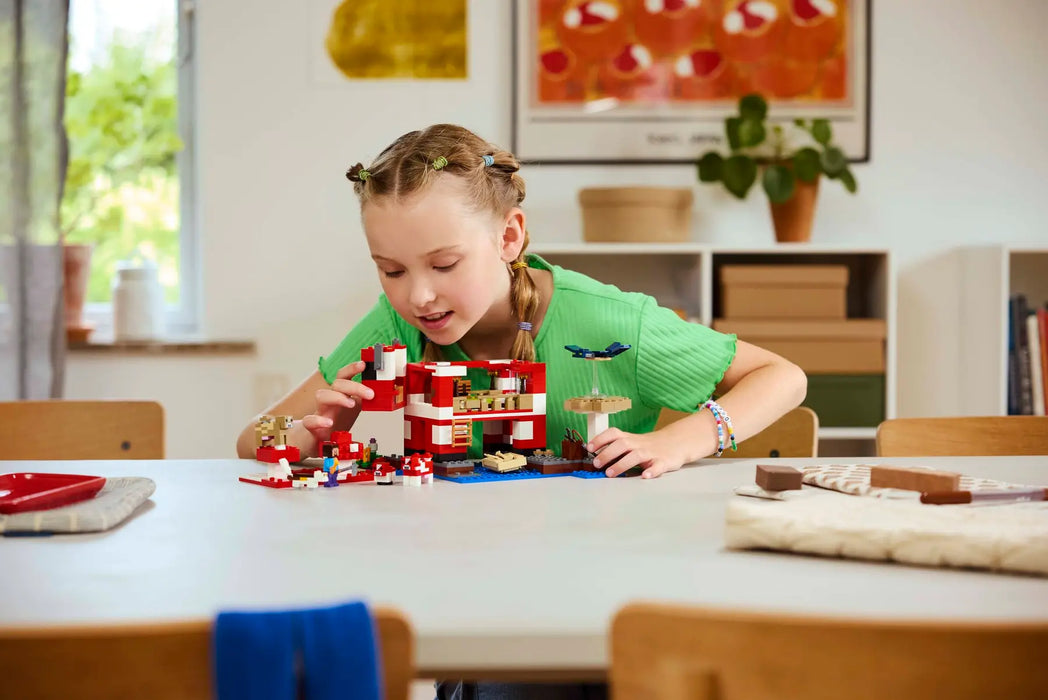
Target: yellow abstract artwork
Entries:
(402, 39)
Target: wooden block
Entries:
(776, 477)
(911, 479)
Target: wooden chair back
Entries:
(61, 429)
(796, 434)
(963, 436)
(162, 662)
(670, 652)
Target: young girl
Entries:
(442, 217)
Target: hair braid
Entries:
(524, 297)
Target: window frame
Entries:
(182, 319)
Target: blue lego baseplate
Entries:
(481, 475)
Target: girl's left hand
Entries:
(628, 450)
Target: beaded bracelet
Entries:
(723, 421)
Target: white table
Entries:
(503, 580)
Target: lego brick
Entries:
(451, 468)
(265, 480)
(777, 477)
(913, 479)
(553, 465)
(273, 455)
(597, 404)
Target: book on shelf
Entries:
(1027, 358)
(1033, 333)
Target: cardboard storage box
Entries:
(636, 214)
(846, 401)
(849, 346)
(784, 291)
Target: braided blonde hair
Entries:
(411, 163)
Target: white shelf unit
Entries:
(683, 276)
(990, 275)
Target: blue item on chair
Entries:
(326, 653)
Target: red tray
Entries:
(32, 491)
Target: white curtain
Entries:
(33, 47)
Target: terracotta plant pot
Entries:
(793, 218)
(76, 259)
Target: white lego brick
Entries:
(441, 435)
(538, 404)
(407, 430)
(523, 430)
(388, 372)
(446, 370)
(412, 481)
(425, 410)
(596, 423)
(400, 359)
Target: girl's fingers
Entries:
(624, 463)
(350, 388)
(607, 436)
(350, 370)
(610, 453)
(329, 397)
(314, 422)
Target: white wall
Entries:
(959, 157)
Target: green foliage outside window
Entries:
(121, 190)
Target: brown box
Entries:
(848, 346)
(910, 479)
(777, 477)
(644, 214)
(784, 291)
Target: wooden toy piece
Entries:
(913, 479)
(778, 477)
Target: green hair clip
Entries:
(439, 163)
(363, 175)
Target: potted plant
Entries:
(789, 174)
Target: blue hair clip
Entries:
(488, 160)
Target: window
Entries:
(129, 186)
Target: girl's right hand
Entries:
(343, 394)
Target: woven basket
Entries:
(636, 214)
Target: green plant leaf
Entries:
(833, 161)
(753, 106)
(751, 133)
(821, 131)
(806, 164)
(848, 180)
(731, 130)
(711, 165)
(739, 174)
(778, 182)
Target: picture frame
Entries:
(615, 101)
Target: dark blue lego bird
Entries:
(612, 350)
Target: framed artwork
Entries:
(651, 81)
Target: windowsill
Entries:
(171, 346)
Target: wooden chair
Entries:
(796, 434)
(957, 437)
(63, 429)
(169, 661)
(670, 652)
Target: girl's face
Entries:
(441, 264)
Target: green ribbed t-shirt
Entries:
(672, 362)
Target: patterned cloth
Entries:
(890, 524)
(854, 479)
(117, 500)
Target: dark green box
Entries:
(846, 400)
